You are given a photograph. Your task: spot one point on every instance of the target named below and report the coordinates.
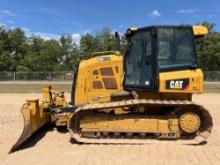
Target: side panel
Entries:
(98, 78)
(81, 84)
(73, 90)
(187, 81)
(105, 79)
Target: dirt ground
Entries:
(52, 147)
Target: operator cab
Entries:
(156, 49)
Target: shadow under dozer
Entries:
(35, 117)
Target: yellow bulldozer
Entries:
(141, 97)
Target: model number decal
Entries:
(180, 84)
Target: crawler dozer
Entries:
(143, 96)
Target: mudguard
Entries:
(35, 117)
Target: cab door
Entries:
(138, 62)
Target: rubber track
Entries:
(200, 138)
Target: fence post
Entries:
(50, 76)
(14, 76)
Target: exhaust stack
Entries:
(117, 42)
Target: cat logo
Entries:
(176, 84)
(179, 84)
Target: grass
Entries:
(212, 88)
(37, 88)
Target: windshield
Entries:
(137, 60)
(175, 48)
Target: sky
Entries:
(51, 18)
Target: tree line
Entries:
(19, 52)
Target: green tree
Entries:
(42, 55)
(208, 49)
(123, 44)
(106, 39)
(5, 60)
(88, 45)
(16, 45)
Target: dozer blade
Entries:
(35, 117)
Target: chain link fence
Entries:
(212, 76)
(62, 76)
(27, 76)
